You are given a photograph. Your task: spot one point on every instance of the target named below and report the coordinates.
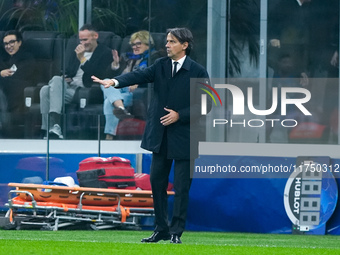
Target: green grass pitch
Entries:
(107, 242)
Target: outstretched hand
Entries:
(105, 83)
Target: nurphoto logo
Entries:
(281, 100)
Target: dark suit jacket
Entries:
(97, 65)
(177, 94)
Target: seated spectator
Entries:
(89, 58)
(16, 70)
(115, 100)
(286, 74)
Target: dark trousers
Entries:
(159, 177)
(14, 92)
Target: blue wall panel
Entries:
(16, 167)
(216, 204)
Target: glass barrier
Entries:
(229, 43)
(298, 56)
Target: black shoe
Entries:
(155, 237)
(175, 239)
(122, 113)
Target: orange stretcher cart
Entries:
(52, 207)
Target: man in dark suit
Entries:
(173, 114)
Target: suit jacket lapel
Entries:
(167, 68)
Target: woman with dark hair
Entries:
(16, 70)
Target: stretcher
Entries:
(52, 207)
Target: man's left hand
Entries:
(170, 118)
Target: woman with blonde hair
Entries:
(115, 100)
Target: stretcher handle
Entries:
(34, 203)
(80, 205)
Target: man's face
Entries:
(174, 48)
(11, 44)
(88, 39)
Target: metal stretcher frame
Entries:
(44, 205)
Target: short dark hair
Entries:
(13, 32)
(88, 27)
(183, 35)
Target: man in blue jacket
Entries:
(173, 113)
(88, 58)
